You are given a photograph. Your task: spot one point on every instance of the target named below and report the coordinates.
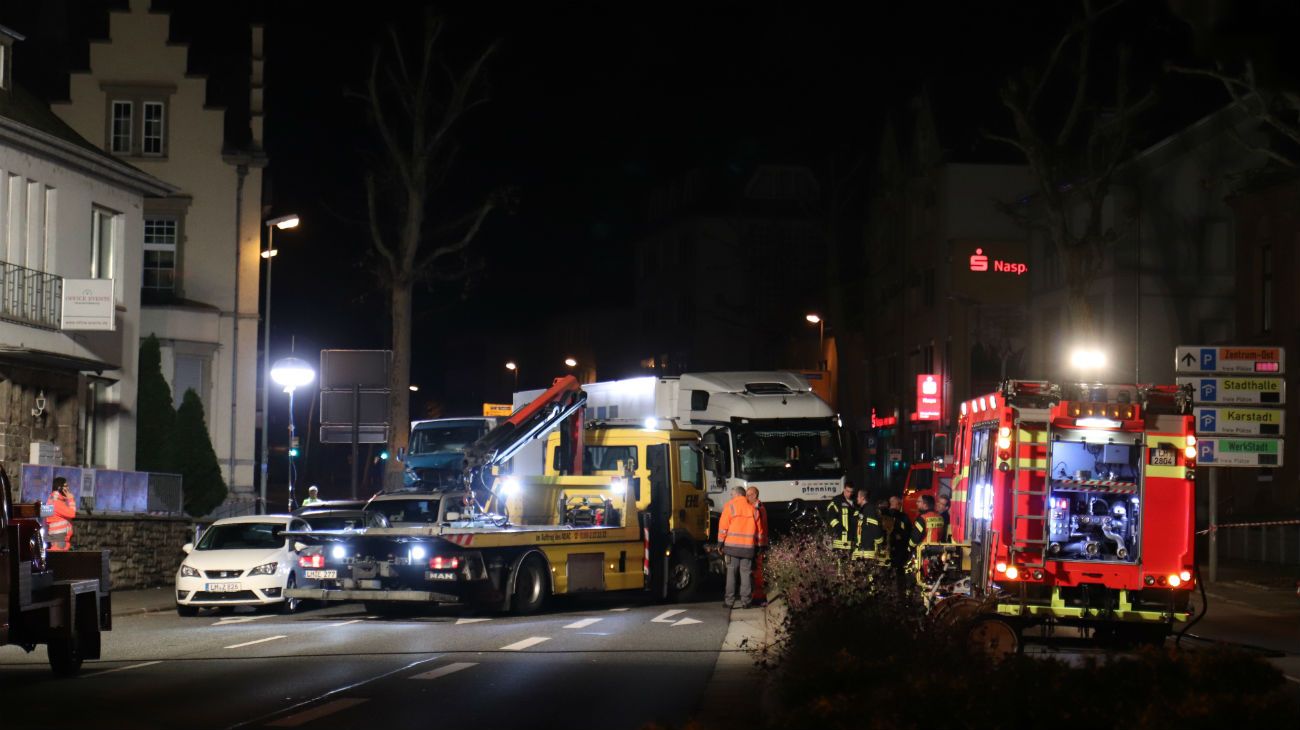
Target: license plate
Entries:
(440, 576)
(1163, 457)
(223, 587)
(323, 574)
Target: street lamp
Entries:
(570, 362)
(1087, 359)
(414, 388)
(291, 374)
(821, 335)
(512, 367)
(284, 222)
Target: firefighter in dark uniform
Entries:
(840, 518)
(868, 537)
(942, 506)
(899, 537)
(930, 526)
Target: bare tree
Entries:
(1072, 150)
(1277, 110)
(415, 103)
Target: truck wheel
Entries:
(289, 605)
(65, 655)
(994, 637)
(684, 576)
(530, 587)
(186, 611)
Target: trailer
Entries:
(59, 599)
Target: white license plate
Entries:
(222, 587)
(323, 574)
(1163, 457)
(441, 576)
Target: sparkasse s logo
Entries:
(979, 261)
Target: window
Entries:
(188, 375)
(101, 244)
(689, 460)
(120, 134)
(160, 254)
(152, 138)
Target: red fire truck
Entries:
(1073, 505)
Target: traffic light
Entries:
(293, 452)
(384, 454)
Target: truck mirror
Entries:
(299, 546)
(187, 548)
(453, 516)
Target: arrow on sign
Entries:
(1188, 360)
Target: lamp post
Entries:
(570, 362)
(284, 222)
(512, 367)
(821, 335)
(292, 373)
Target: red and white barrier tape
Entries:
(1213, 528)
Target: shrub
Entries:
(155, 416)
(195, 458)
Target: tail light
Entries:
(315, 560)
(1001, 567)
(1189, 453)
(1175, 581)
(439, 562)
(1186, 575)
(1012, 572)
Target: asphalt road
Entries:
(605, 662)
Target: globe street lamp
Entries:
(570, 362)
(291, 374)
(821, 335)
(284, 222)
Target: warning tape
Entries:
(1097, 485)
(1274, 523)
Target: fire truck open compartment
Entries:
(1095, 496)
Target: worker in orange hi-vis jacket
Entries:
(58, 526)
(760, 590)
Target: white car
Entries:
(241, 561)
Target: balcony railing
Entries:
(30, 297)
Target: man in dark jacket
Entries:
(840, 518)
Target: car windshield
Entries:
(443, 439)
(349, 521)
(783, 451)
(398, 512)
(243, 536)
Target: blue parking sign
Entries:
(1209, 421)
(1206, 452)
(1209, 359)
(1209, 390)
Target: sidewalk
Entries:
(143, 600)
(735, 696)
(1261, 586)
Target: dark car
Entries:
(335, 515)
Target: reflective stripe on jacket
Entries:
(739, 528)
(928, 528)
(869, 538)
(841, 518)
(60, 523)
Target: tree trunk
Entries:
(399, 397)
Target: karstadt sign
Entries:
(87, 305)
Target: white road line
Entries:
(460, 621)
(444, 671)
(240, 620)
(521, 645)
(584, 623)
(687, 622)
(667, 616)
(258, 641)
(620, 609)
(306, 716)
(123, 669)
(344, 623)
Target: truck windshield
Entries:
(399, 512)
(443, 439)
(243, 536)
(782, 450)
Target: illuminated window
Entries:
(159, 254)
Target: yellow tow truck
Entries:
(619, 507)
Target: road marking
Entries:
(123, 669)
(620, 609)
(444, 671)
(240, 620)
(258, 641)
(460, 621)
(584, 623)
(306, 716)
(344, 623)
(686, 622)
(666, 616)
(521, 645)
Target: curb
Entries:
(141, 611)
(736, 686)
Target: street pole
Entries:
(1214, 523)
(356, 436)
(289, 452)
(266, 363)
(821, 342)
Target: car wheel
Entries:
(187, 611)
(289, 605)
(684, 575)
(530, 587)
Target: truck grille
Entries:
(223, 573)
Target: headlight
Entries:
(188, 572)
(266, 569)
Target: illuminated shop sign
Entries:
(929, 404)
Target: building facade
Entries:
(72, 220)
(198, 277)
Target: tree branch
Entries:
(475, 223)
(376, 235)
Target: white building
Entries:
(199, 272)
(69, 213)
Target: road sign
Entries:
(1247, 390)
(499, 410)
(1240, 421)
(1194, 359)
(1239, 452)
(895, 454)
